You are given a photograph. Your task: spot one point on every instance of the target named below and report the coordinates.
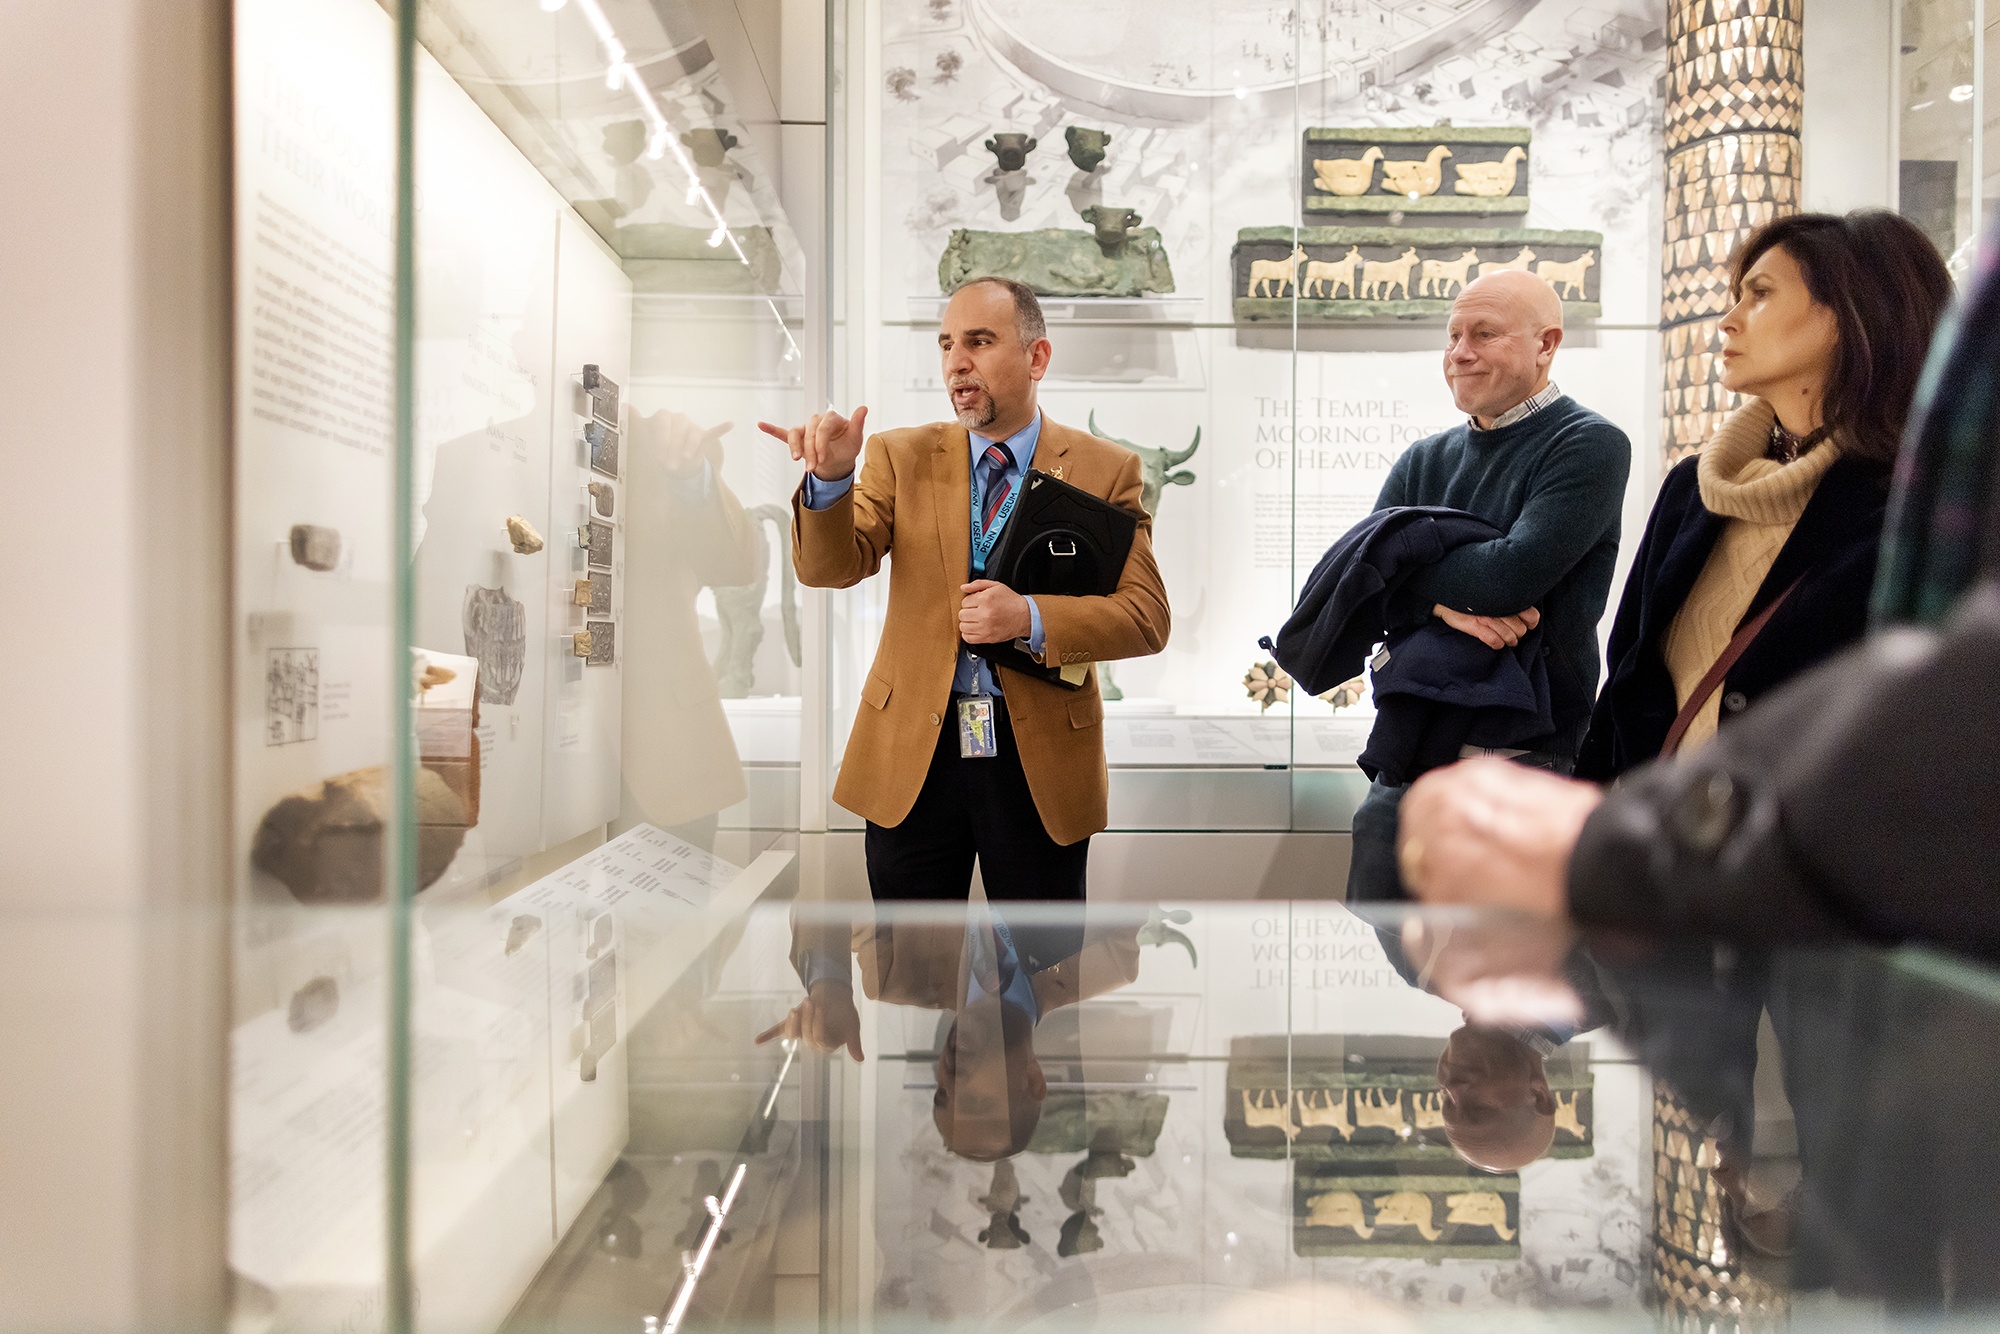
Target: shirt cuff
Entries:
(826, 966)
(821, 495)
(1035, 643)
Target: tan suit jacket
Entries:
(914, 497)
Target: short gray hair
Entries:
(1028, 322)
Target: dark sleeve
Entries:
(1574, 499)
(1860, 801)
(1599, 758)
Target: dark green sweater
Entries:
(1555, 482)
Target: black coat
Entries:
(1436, 689)
(1833, 545)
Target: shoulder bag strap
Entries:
(1711, 681)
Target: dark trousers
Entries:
(974, 808)
(1372, 876)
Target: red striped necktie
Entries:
(997, 461)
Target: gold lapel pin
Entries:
(1056, 472)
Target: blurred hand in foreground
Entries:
(1490, 832)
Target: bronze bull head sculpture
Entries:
(1156, 466)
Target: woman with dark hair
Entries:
(1757, 564)
(1759, 555)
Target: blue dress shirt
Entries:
(974, 675)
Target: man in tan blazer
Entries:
(937, 789)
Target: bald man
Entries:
(1548, 473)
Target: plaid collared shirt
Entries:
(1523, 410)
(1944, 517)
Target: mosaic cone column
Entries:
(1734, 108)
(1698, 1286)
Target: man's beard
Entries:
(980, 414)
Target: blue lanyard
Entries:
(983, 540)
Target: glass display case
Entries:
(1948, 106)
(1236, 289)
(536, 727)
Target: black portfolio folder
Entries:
(1061, 542)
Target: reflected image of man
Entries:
(951, 759)
(1550, 475)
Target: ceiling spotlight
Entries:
(551, 6)
(715, 237)
(656, 145)
(614, 78)
(1962, 93)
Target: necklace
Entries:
(1786, 447)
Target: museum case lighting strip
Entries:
(620, 72)
(693, 1263)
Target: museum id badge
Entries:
(977, 739)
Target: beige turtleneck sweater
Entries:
(1762, 499)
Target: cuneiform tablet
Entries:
(581, 597)
(603, 637)
(603, 395)
(580, 643)
(315, 547)
(603, 497)
(603, 443)
(600, 544)
(523, 535)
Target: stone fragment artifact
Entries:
(603, 395)
(1270, 277)
(1079, 1236)
(603, 497)
(1325, 1108)
(313, 1004)
(581, 596)
(1567, 279)
(1400, 272)
(1421, 177)
(1086, 147)
(1058, 262)
(1523, 261)
(1380, 277)
(580, 643)
(523, 535)
(324, 843)
(1011, 150)
(315, 547)
(1328, 277)
(1480, 1208)
(1347, 176)
(1339, 1208)
(1440, 277)
(1456, 172)
(1407, 1208)
(496, 633)
(520, 931)
(433, 675)
(602, 441)
(1490, 178)
(1112, 226)
(1566, 1117)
